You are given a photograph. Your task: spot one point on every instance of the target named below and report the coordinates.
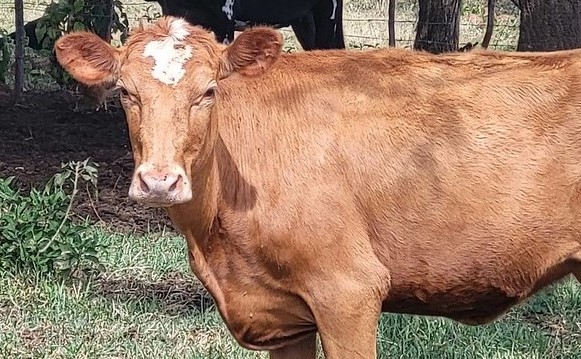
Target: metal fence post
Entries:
(19, 50)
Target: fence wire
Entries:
(362, 27)
(358, 30)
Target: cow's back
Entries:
(459, 172)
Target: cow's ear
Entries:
(88, 58)
(252, 52)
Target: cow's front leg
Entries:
(347, 317)
(305, 349)
(349, 332)
(577, 272)
(577, 269)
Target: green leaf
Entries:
(46, 42)
(40, 31)
(79, 5)
(78, 26)
(53, 33)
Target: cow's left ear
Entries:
(88, 58)
(252, 52)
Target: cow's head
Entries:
(168, 74)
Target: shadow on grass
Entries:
(174, 293)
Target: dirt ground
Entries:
(47, 130)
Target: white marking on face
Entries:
(170, 54)
(178, 29)
(334, 10)
(228, 9)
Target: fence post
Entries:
(391, 22)
(19, 51)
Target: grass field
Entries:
(147, 304)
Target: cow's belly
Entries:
(470, 298)
(470, 306)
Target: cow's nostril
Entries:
(143, 185)
(160, 186)
(175, 184)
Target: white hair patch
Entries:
(170, 54)
(178, 29)
(228, 9)
(334, 13)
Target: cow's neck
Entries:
(195, 218)
(215, 195)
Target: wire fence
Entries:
(362, 27)
(369, 29)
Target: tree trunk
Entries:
(438, 26)
(489, 24)
(102, 12)
(110, 13)
(549, 25)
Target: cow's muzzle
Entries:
(160, 186)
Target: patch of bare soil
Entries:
(47, 130)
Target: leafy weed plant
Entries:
(37, 230)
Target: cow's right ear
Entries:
(88, 58)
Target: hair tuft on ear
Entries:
(252, 52)
(88, 58)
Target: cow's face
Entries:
(168, 76)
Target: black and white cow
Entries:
(317, 23)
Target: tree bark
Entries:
(102, 12)
(549, 25)
(489, 24)
(438, 26)
(110, 13)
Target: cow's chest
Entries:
(260, 310)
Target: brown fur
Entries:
(342, 183)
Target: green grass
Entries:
(148, 305)
(548, 326)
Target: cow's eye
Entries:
(210, 92)
(206, 98)
(124, 92)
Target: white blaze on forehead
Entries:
(170, 54)
(178, 29)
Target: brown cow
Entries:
(340, 184)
